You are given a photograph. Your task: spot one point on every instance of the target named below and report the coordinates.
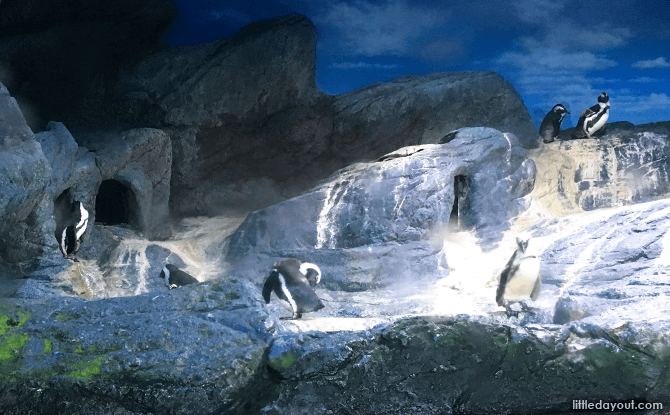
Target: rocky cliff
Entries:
(412, 221)
(247, 123)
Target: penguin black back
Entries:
(551, 124)
(292, 288)
(174, 277)
(520, 279)
(593, 119)
(69, 237)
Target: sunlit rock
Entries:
(623, 165)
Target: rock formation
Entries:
(247, 123)
(622, 165)
(413, 221)
(400, 199)
(24, 176)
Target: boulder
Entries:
(380, 224)
(135, 166)
(193, 350)
(621, 165)
(401, 197)
(470, 364)
(24, 177)
(606, 263)
(250, 138)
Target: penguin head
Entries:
(522, 242)
(603, 98)
(560, 109)
(311, 271)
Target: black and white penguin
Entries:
(551, 124)
(174, 277)
(520, 279)
(292, 281)
(69, 238)
(593, 119)
(312, 272)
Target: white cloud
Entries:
(658, 103)
(555, 59)
(538, 11)
(363, 65)
(380, 29)
(644, 80)
(652, 64)
(566, 35)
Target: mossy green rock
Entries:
(192, 350)
(476, 365)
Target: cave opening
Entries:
(115, 204)
(457, 216)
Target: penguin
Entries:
(520, 279)
(593, 119)
(312, 272)
(551, 124)
(292, 282)
(69, 238)
(174, 277)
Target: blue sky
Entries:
(552, 51)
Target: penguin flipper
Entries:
(269, 285)
(305, 298)
(504, 276)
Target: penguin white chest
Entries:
(599, 123)
(521, 284)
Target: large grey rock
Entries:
(608, 263)
(300, 134)
(24, 176)
(400, 198)
(74, 175)
(467, 364)
(139, 159)
(621, 165)
(193, 350)
(376, 229)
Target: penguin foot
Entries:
(527, 309)
(295, 316)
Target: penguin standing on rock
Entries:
(174, 277)
(593, 119)
(520, 279)
(551, 124)
(68, 238)
(292, 282)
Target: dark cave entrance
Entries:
(115, 204)
(456, 218)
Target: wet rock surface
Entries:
(622, 165)
(190, 350)
(410, 240)
(24, 177)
